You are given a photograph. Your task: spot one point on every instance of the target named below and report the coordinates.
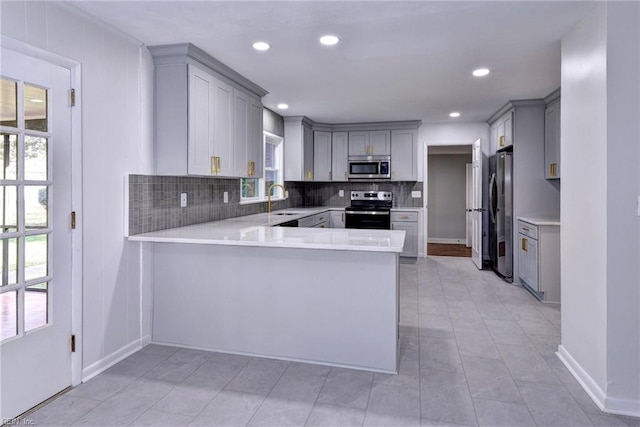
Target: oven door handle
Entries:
(387, 213)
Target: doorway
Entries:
(447, 200)
(36, 287)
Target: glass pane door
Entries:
(25, 187)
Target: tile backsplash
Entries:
(154, 201)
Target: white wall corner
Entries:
(584, 379)
(115, 357)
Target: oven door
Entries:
(366, 169)
(368, 219)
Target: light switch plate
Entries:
(183, 200)
(416, 194)
(340, 193)
(225, 197)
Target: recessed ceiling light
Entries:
(37, 101)
(261, 46)
(454, 114)
(481, 72)
(282, 106)
(329, 40)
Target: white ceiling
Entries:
(396, 60)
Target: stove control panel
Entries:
(372, 195)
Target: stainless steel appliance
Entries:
(501, 206)
(369, 167)
(369, 209)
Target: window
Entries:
(255, 189)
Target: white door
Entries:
(469, 204)
(476, 236)
(35, 239)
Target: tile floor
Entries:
(475, 351)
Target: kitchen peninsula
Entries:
(244, 285)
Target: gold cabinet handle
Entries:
(502, 142)
(404, 217)
(524, 244)
(215, 164)
(552, 169)
(309, 175)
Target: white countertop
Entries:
(258, 231)
(540, 221)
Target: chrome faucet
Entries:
(269, 195)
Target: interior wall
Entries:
(116, 140)
(583, 199)
(623, 169)
(447, 180)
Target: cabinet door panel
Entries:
(223, 129)
(404, 150)
(552, 141)
(254, 137)
(240, 133)
(358, 143)
(321, 156)
(339, 155)
(508, 130)
(307, 141)
(380, 142)
(410, 248)
(200, 122)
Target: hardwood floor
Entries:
(448, 249)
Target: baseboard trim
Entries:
(115, 357)
(447, 241)
(610, 405)
(584, 379)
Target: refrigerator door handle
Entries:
(492, 207)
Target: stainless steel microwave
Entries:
(369, 167)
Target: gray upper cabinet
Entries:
(552, 140)
(247, 136)
(404, 155)
(370, 143)
(339, 155)
(298, 149)
(208, 117)
(321, 156)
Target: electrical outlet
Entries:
(416, 194)
(286, 194)
(340, 193)
(225, 197)
(183, 200)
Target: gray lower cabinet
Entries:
(337, 218)
(407, 221)
(539, 259)
(320, 220)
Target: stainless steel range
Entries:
(369, 209)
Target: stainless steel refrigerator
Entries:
(501, 207)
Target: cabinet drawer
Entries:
(404, 216)
(314, 220)
(527, 229)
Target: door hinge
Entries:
(73, 220)
(72, 98)
(73, 343)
